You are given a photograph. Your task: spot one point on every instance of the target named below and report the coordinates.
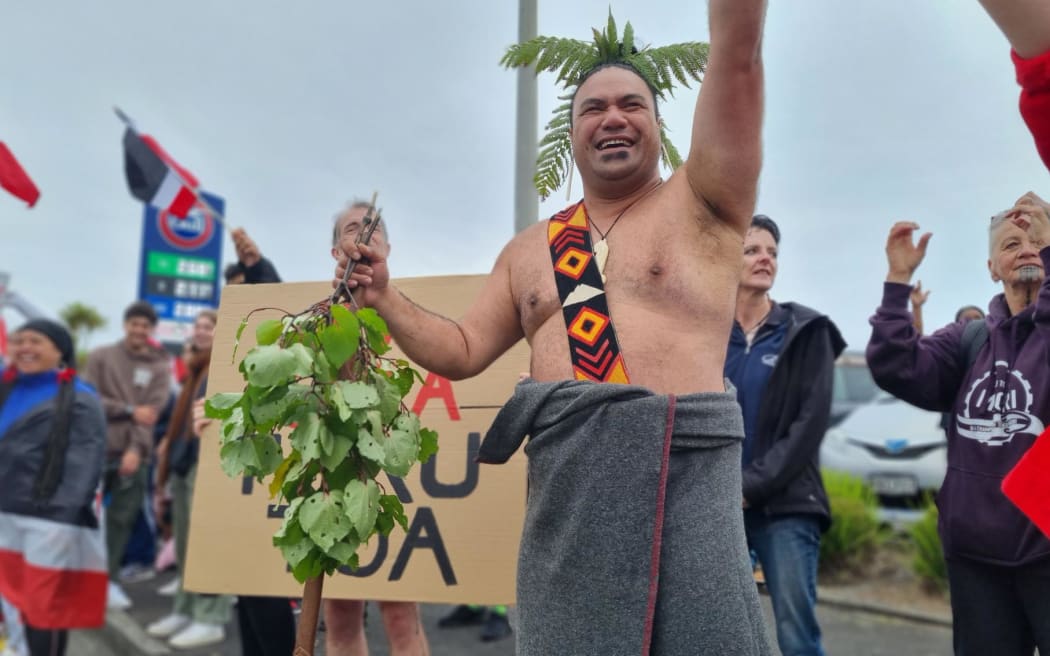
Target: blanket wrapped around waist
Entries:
(634, 538)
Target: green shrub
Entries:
(928, 562)
(854, 534)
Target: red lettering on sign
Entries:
(437, 387)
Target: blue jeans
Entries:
(788, 547)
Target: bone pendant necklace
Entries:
(601, 247)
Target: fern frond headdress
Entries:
(574, 61)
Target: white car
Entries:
(898, 449)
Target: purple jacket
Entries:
(997, 414)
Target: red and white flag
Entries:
(155, 178)
(14, 178)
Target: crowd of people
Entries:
(724, 475)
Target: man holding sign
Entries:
(633, 538)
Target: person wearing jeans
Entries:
(781, 360)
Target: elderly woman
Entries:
(992, 376)
(52, 446)
(781, 360)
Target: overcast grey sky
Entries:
(876, 111)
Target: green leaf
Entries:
(237, 338)
(392, 508)
(404, 380)
(306, 438)
(324, 518)
(268, 453)
(338, 346)
(220, 406)
(428, 444)
(369, 448)
(344, 551)
(358, 395)
(309, 567)
(389, 396)
(268, 331)
(336, 449)
(402, 446)
(239, 457)
(269, 366)
(324, 372)
(375, 329)
(362, 505)
(233, 427)
(277, 406)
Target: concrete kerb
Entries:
(846, 603)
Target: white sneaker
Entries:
(116, 598)
(168, 625)
(198, 634)
(171, 588)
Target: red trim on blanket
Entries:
(658, 530)
(53, 598)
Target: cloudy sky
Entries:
(876, 111)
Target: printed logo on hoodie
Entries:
(998, 406)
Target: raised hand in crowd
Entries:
(247, 251)
(918, 299)
(200, 421)
(903, 254)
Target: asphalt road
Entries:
(850, 633)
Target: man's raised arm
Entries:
(1026, 24)
(725, 157)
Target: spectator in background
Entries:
(918, 299)
(196, 619)
(251, 267)
(998, 560)
(266, 624)
(52, 447)
(344, 618)
(781, 359)
(133, 380)
(968, 313)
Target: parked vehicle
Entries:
(898, 449)
(852, 388)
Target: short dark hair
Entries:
(232, 270)
(967, 308)
(601, 67)
(141, 309)
(763, 222)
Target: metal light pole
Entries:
(526, 201)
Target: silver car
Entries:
(895, 447)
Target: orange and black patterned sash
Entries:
(593, 348)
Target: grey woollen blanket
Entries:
(634, 536)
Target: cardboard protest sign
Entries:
(465, 519)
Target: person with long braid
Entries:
(53, 565)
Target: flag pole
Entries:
(200, 199)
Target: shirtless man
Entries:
(597, 572)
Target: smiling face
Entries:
(203, 332)
(760, 261)
(615, 133)
(33, 352)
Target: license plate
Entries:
(895, 485)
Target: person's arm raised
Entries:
(725, 156)
(453, 349)
(1026, 24)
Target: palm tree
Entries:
(82, 320)
(573, 59)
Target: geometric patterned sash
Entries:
(593, 348)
